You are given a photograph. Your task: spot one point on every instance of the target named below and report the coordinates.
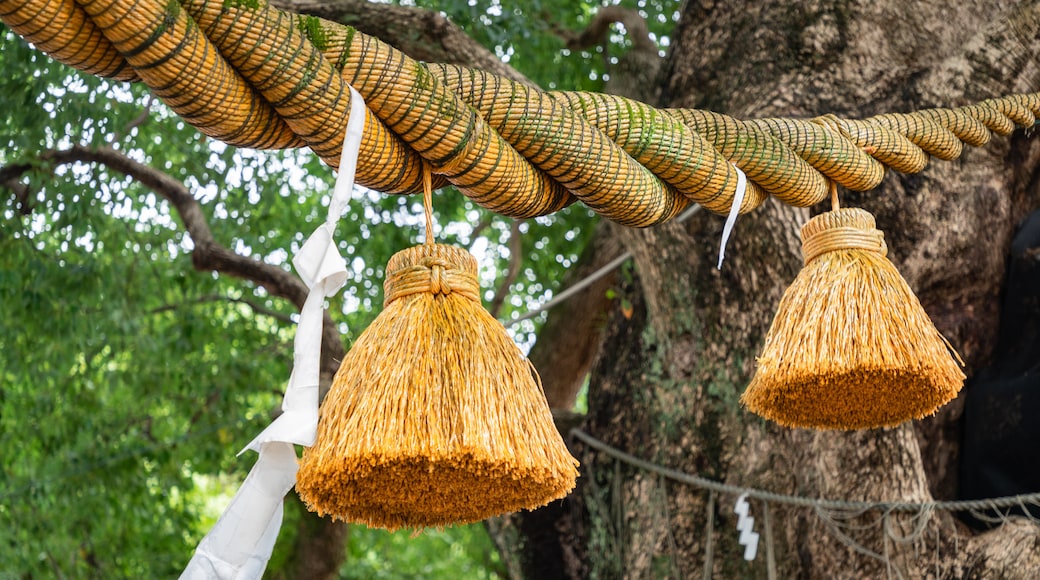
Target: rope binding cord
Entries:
(435, 417)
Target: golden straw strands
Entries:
(182, 67)
(272, 53)
(765, 159)
(567, 147)
(826, 150)
(850, 346)
(62, 29)
(435, 416)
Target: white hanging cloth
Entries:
(240, 543)
(734, 211)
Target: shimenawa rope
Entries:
(255, 76)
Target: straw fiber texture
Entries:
(850, 346)
(435, 416)
(254, 76)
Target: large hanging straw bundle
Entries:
(850, 346)
(435, 416)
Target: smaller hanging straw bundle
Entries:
(435, 416)
(850, 346)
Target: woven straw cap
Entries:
(433, 269)
(844, 229)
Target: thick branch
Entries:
(596, 32)
(420, 33)
(515, 259)
(208, 254)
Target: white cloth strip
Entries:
(734, 211)
(240, 544)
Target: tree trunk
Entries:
(666, 385)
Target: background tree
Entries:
(667, 382)
(96, 263)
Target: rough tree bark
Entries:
(667, 383)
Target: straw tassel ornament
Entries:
(435, 417)
(850, 346)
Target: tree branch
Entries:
(418, 32)
(515, 259)
(596, 32)
(253, 305)
(137, 121)
(208, 254)
(483, 224)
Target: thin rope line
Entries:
(958, 505)
(767, 523)
(590, 279)
(709, 535)
(428, 202)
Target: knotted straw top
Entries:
(434, 268)
(841, 229)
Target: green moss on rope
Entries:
(348, 40)
(172, 12)
(254, 4)
(312, 28)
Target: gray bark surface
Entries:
(665, 387)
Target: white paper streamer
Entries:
(746, 525)
(734, 211)
(240, 544)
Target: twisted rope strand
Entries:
(765, 159)
(63, 30)
(823, 147)
(304, 89)
(251, 75)
(567, 147)
(665, 146)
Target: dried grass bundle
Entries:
(850, 346)
(435, 416)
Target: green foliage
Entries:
(530, 35)
(444, 554)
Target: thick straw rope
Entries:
(254, 76)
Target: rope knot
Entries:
(431, 268)
(841, 229)
(439, 283)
